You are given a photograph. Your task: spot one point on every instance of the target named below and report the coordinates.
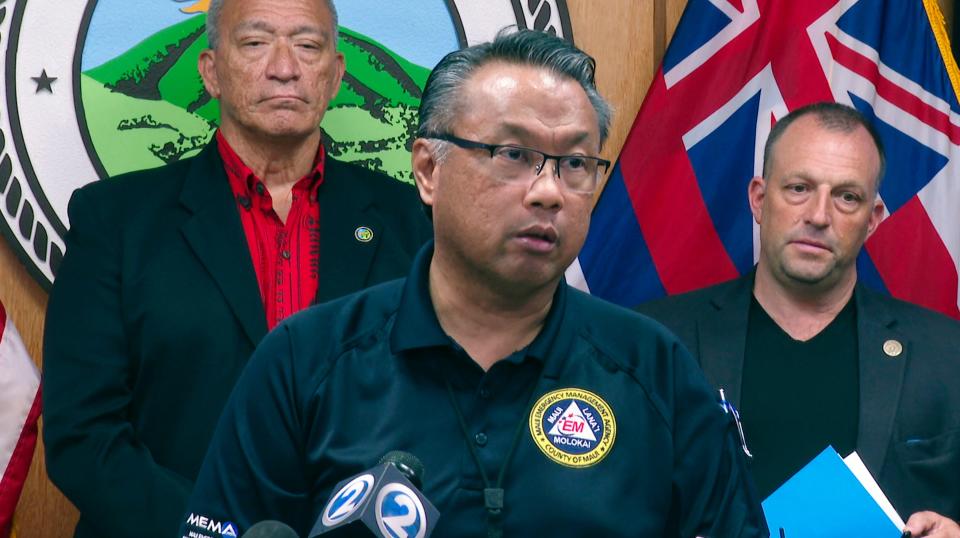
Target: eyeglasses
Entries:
(578, 173)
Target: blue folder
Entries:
(825, 500)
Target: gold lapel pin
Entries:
(363, 234)
(892, 348)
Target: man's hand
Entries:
(931, 524)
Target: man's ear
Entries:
(876, 216)
(207, 66)
(339, 68)
(426, 169)
(755, 193)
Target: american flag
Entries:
(19, 411)
(673, 216)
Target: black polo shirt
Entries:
(619, 434)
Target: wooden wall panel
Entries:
(674, 10)
(43, 511)
(617, 33)
(627, 37)
(948, 7)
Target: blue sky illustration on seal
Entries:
(420, 30)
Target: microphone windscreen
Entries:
(270, 529)
(406, 463)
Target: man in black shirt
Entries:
(582, 417)
(811, 357)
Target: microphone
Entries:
(384, 501)
(408, 465)
(270, 529)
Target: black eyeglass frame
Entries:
(492, 148)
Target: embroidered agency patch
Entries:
(573, 427)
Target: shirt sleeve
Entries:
(92, 451)
(254, 469)
(711, 482)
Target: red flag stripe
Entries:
(11, 485)
(20, 412)
(670, 208)
(893, 93)
(906, 245)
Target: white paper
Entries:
(856, 466)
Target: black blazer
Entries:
(909, 423)
(153, 315)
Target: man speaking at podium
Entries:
(813, 358)
(537, 410)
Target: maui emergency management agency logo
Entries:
(400, 513)
(347, 500)
(205, 525)
(96, 88)
(573, 427)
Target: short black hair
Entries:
(439, 103)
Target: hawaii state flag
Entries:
(673, 216)
(19, 411)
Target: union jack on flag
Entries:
(674, 215)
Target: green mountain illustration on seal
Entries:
(147, 106)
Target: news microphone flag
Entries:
(384, 501)
(673, 216)
(19, 411)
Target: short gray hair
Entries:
(438, 105)
(213, 22)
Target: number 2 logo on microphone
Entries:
(347, 500)
(400, 513)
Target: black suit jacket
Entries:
(909, 424)
(153, 315)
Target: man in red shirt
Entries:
(173, 275)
